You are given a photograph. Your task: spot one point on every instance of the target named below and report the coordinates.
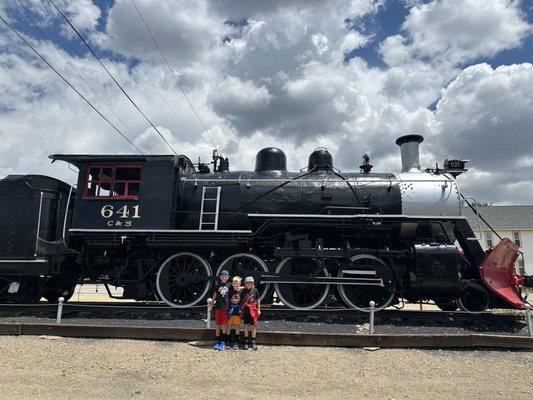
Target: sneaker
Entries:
(254, 346)
(216, 346)
(221, 346)
(235, 346)
(246, 346)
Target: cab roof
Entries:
(80, 158)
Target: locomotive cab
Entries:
(119, 193)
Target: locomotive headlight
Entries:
(455, 167)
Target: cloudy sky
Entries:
(348, 75)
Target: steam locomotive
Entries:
(161, 227)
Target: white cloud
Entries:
(440, 36)
(492, 108)
(395, 50)
(83, 13)
(321, 43)
(239, 100)
(188, 33)
(457, 31)
(352, 41)
(485, 115)
(416, 84)
(263, 73)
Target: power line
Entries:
(152, 82)
(172, 73)
(112, 77)
(69, 84)
(73, 67)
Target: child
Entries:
(250, 311)
(221, 303)
(234, 313)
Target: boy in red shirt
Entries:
(221, 304)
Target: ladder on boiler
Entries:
(209, 208)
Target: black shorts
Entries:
(247, 317)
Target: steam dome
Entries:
(270, 159)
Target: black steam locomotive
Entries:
(161, 228)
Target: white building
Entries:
(513, 222)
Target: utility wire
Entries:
(112, 77)
(182, 89)
(69, 84)
(348, 183)
(275, 188)
(73, 68)
(480, 216)
(152, 83)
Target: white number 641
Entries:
(108, 211)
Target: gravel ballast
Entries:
(52, 368)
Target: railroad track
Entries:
(203, 337)
(143, 310)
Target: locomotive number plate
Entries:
(120, 215)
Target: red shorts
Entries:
(250, 314)
(221, 316)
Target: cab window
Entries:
(120, 182)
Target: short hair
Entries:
(237, 279)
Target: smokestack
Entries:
(409, 149)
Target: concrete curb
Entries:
(274, 338)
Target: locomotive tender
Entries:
(161, 228)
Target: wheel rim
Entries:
(473, 300)
(246, 264)
(359, 297)
(301, 296)
(183, 280)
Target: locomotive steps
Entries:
(440, 341)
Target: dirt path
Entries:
(63, 368)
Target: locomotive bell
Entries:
(270, 159)
(409, 150)
(320, 159)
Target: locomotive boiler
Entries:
(161, 228)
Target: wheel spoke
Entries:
(179, 280)
(359, 297)
(244, 264)
(301, 295)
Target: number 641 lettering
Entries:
(108, 211)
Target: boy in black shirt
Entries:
(221, 304)
(250, 311)
(234, 313)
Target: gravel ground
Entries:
(54, 368)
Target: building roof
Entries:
(502, 217)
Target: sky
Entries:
(240, 75)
